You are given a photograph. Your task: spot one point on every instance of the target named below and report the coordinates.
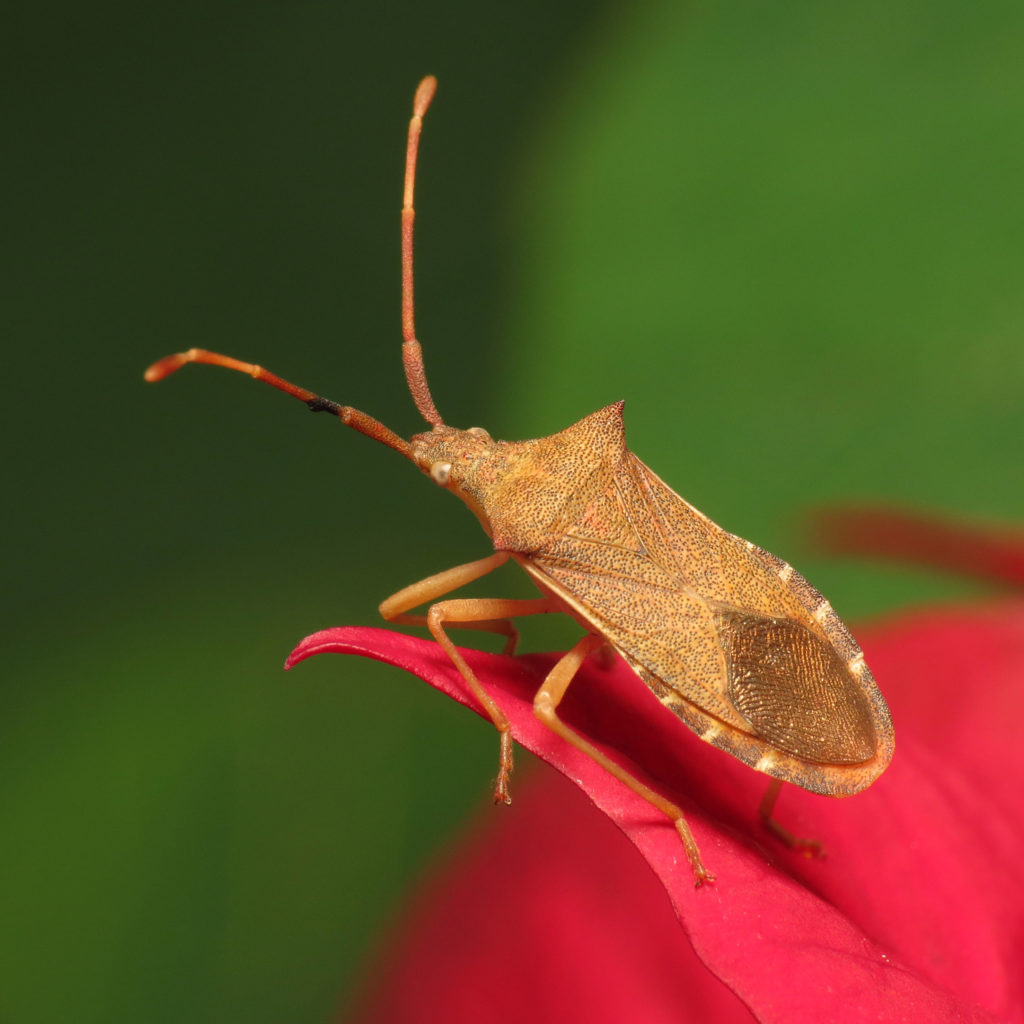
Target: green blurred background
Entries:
(790, 236)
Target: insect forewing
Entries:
(730, 638)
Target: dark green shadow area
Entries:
(789, 238)
(188, 834)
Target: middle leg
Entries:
(545, 706)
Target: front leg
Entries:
(465, 610)
(396, 607)
(493, 614)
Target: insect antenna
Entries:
(350, 417)
(412, 354)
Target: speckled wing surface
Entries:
(729, 637)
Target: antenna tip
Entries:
(424, 94)
(163, 368)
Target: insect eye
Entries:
(479, 432)
(440, 471)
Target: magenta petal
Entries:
(916, 914)
(544, 913)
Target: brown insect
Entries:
(728, 637)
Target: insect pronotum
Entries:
(728, 637)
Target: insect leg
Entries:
(812, 847)
(396, 607)
(469, 613)
(545, 704)
(466, 610)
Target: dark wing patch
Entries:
(794, 690)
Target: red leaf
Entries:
(984, 551)
(915, 914)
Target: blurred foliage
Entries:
(789, 237)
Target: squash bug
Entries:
(729, 638)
